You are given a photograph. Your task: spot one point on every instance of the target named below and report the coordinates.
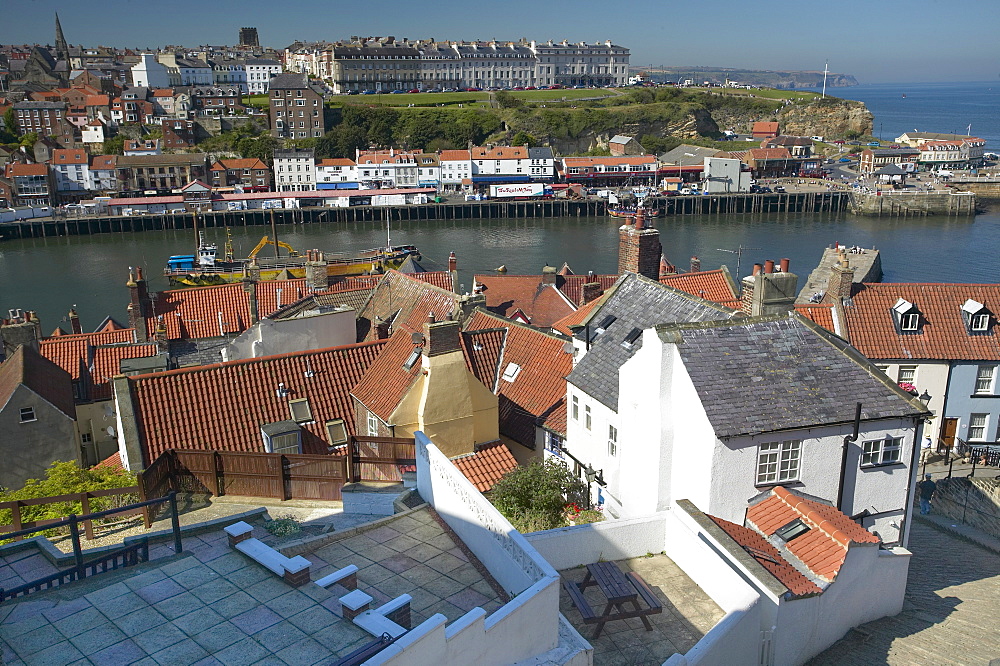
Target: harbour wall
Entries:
(709, 204)
(913, 204)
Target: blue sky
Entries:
(881, 41)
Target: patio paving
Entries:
(688, 614)
(212, 605)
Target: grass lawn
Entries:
(259, 101)
(767, 93)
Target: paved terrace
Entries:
(213, 605)
(688, 614)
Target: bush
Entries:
(66, 478)
(534, 497)
(283, 526)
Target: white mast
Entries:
(826, 70)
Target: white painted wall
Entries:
(268, 337)
(931, 377)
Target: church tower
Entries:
(62, 48)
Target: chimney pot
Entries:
(695, 264)
(757, 268)
(769, 266)
(784, 265)
(430, 318)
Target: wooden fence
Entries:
(278, 475)
(19, 523)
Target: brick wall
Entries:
(639, 251)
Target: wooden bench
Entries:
(580, 602)
(294, 570)
(646, 592)
(348, 577)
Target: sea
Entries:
(51, 275)
(952, 108)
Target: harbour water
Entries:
(51, 275)
(931, 107)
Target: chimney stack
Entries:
(841, 280)
(452, 262)
(140, 305)
(441, 337)
(74, 321)
(695, 265)
(639, 250)
(160, 335)
(549, 275)
(591, 292)
(250, 287)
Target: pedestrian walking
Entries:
(926, 489)
(926, 450)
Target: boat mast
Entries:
(197, 236)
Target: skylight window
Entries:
(632, 336)
(792, 530)
(511, 372)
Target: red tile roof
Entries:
(543, 304)
(70, 351)
(711, 285)
(404, 300)
(245, 163)
(821, 313)
(105, 363)
(387, 381)
(769, 153)
(943, 335)
(500, 153)
(18, 169)
(608, 161)
(762, 126)
(223, 406)
(823, 548)
(769, 557)
(335, 161)
(537, 395)
(572, 285)
(114, 461)
(566, 324)
(487, 466)
(69, 156)
(29, 368)
(454, 155)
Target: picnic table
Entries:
(618, 589)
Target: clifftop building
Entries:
(385, 64)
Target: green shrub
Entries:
(534, 497)
(283, 526)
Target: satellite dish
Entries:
(111, 432)
(568, 348)
(417, 338)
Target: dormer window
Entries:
(906, 316)
(282, 437)
(976, 317)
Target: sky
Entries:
(877, 42)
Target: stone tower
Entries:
(62, 48)
(248, 37)
(639, 248)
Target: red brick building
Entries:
(251, 175)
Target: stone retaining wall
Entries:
(975, 502)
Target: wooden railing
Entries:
(18, 521)
(379, 458)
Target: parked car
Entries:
(779, 189)
(844, 159)
(413, 90)
(367, 92)
(398, 92)
(531, 88)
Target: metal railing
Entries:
(120, 558)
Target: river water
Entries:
(51, 275)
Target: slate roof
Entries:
(823, 548)
(782, 372)
(769, 557)
(687, 155)
(537, 395)
(942, 336)
(29, 368)
(716, 286)
(487, 465)
(223, 406)
(635, 302)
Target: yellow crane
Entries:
(292, 252)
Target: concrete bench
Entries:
(392, 617)
(294, 570)
(348, 577)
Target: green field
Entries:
(767, 93)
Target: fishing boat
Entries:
(623, 209)
(207, 268)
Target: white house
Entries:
(94, 131)
(542, 163)
(259, 72)
(294, 170)
(500, 164)
(388, 168)
(456, 168)
(104, 173)
(718, 411)
(148, 73)
(71, 168)
(724, 176)
(336, 173)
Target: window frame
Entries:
(877, 451)
(329, 433)
(298, 418)
(984, 427)
(282, 438)
(784, 451)
(27, 415)
(575, 407)
(989, 377)
(373, 424)
(588, 420)
(912, 378)
(612, 441)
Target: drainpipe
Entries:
(848, 439)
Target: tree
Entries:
(262, 147)
(535, 497)
(114, 145)
(505, 100)
(9, 132)
(522, 138)
(29, 139)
